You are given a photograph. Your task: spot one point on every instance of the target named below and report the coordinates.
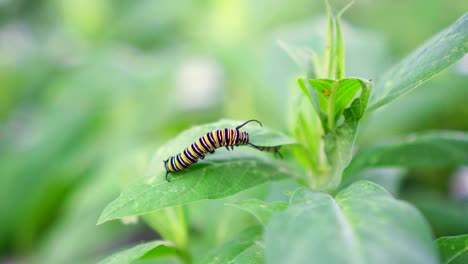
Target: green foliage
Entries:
(431, 58)
(330, 99)
(246, 247)
(171, 224)
(434, 149)
(261, 210)
(201, 181)
(362, 224)
(454, 249)
(82, 106)
(446, 215)
(147, 250)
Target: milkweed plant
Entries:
(313, 205)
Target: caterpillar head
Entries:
(245, 137)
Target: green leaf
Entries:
(171, 224)
(362, 224)
(433, 57)
(306, 127)
(334, 96)
(219, 175)
(453, 249)
(388, 178)
(265, 137)
(63, 243)
(224, 222)
(151, 249)
(446, 215)
(306, 59)
(244, 248)
(260, 209)
(433, 149)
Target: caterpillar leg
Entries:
(232, 147)
(167, 177)
(227, 147)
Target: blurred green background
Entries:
(88, 89)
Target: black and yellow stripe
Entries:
(208, 143)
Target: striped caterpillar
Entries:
(227, 137)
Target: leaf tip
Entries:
(104, 217)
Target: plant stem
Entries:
(330, 44)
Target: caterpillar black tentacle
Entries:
(272, 149)
(246, 122)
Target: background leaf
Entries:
(446, 214)
(430, 149)
(246, 247)
(362, 224)
(153, 249)
(454, 249)
(260, 209)
(171, 224)
(215, 177)
(433, 57)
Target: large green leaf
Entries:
(260, 209)
(434, 149)
(219, 175)
(152, 249)
(433, 57)
(453, 249)
(362, 224)
(246, 247)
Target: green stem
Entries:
(330, 45)
(340, 49)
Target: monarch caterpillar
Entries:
(227, 137)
